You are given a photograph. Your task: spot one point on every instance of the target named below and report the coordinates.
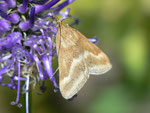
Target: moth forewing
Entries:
(96, 60)
(77, 58)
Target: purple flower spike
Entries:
(1, 78)
(5, 58)
(40, 8)
(62, 5)
(32, 13)
(36, 59)
(65, 14)
(11, 3)
(4, 15)
(15, 38)
(94, 39)
(24, 26)
(29, 23)
(6, 69)
(4, 26)
(24, 7)
(18, 87)
(44, 1)
(4, 7)
(14, 18)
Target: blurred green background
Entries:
(123, 27)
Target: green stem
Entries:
(28, 97)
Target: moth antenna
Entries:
(57, 20)
(59, 26)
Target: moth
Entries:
(78, 58)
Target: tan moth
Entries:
(78, 59)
